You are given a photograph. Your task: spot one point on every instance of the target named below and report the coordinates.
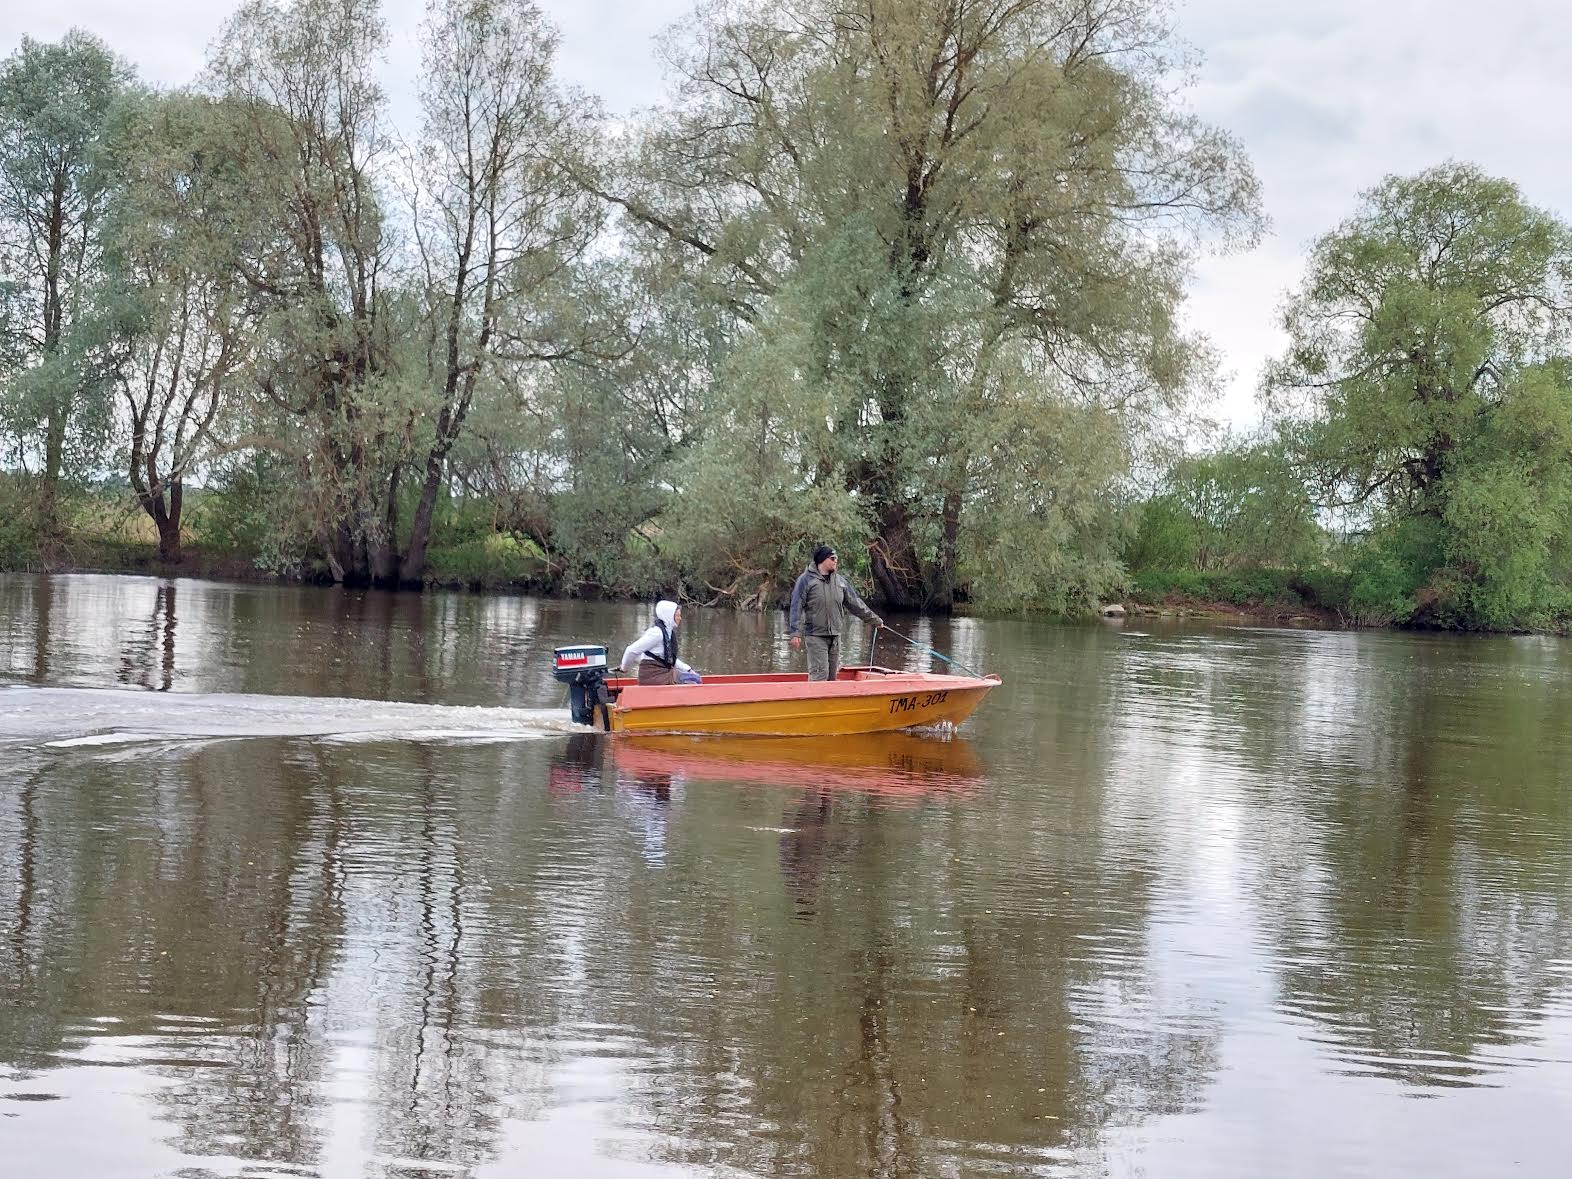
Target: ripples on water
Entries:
(308, 883)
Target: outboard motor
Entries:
(583, 669)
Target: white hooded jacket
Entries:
(652, 642)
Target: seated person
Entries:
(655, 651)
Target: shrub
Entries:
(21, 524)
(488, 562)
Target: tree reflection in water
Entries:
(1156, 871)
(804, 847)
(1406, 859)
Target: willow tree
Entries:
(954, 235)
(584, 467)
(1240, 505)
(186, 317)
(56, 107)
(502, 224)
(1427, 385)
(308, 128)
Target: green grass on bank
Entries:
(498, 561)
(102, 530)
(1283, 589)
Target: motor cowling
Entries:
(583, 668)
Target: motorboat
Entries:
(865, 699)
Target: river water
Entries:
(302, 882)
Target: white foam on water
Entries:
(448, 736)
(103, 739)
(110, 718)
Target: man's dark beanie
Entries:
(820, 553)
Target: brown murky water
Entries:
(309, 883)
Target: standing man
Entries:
(818, 604)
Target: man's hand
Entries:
(878, 624)
(796, 641)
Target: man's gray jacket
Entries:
(818, 604)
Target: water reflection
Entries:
(895, 765)
(1424, 943)
(182, 930)
(805, 847)
(373, 923)
(147, 652)
(1183, 902)
(579, 765)
(650, 773)
(1408, 834)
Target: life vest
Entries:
(668, 644)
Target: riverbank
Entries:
(75, 555)
(463, 567)
(470, 569)
(1180, 606)
(1316, 597)
(475, 570)
(106, 541)
(100, 532)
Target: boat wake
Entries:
(72, 718)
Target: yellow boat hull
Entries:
(863, 700)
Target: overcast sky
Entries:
(1327, 97)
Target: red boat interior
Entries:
(846, 674)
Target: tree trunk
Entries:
(165, 517)
(941, 575)
(379, 551)
(54, 461)
(412, 572)
(341, 555)
(169, 526)
(54, 331)
(384, 553)
(896, 567)
(384, 566)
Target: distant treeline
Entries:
(903, 275)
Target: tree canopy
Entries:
(953, 234)
(57, 104)
(1426, 387)
(905, 276)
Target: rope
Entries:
(935, 654)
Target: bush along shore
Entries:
(101, 531)
(104, 534)
(1315, 597)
